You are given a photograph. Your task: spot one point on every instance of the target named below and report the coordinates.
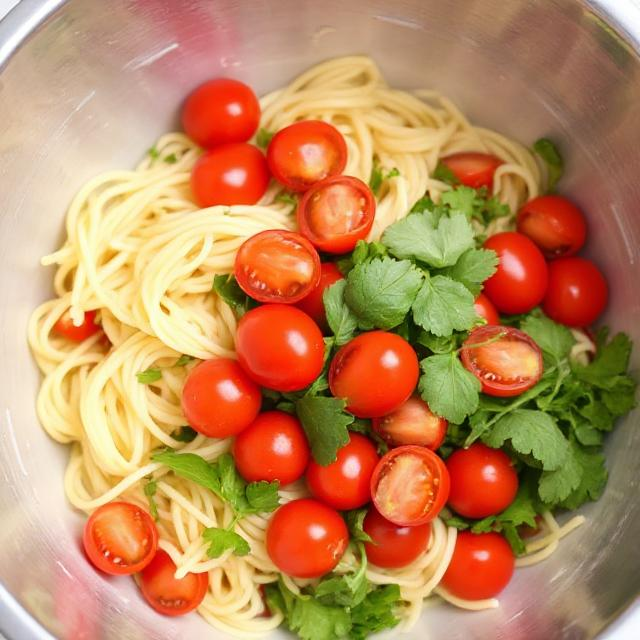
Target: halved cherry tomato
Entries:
(336, 212)
(485, 309)
(230, 174)
(273, 447)
(306, 539)
(166, 593)
(219, 399)
(313, 303)
(120, 538)
(483, 481)
(555, 224)
(473, 169)
(65, 327)
(393, 546)
(344, 484)
(219, 112)
(277, 266)
(577, 292)
(520, 282)
(481, 566)
(410, 485)
(412, 423)
(306, 152)
(505, 360)
(280, 347)
(375, 372)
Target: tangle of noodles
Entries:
(140, 251)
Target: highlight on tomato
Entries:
(120, 538)
(305, 153)
(412, 423)
(313, 303)
(306, 538)
(336, 212)
(277, 266)
(64, 326)
(410, 485)
(486, 309)
(167, 594)
(483, 481)
(505, 360)
(472, 169)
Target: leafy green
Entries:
(475, 204)
(262, 496)
(153, 152)
(221, 540)
(379, 175)
(355, 520)
(376, 612)
(263, 137)
(556, 485)
(150, 489)
(473, 268)
(346, 590)
(444, 174)
(172, 158)
(548, 151)
(342, 322)
(592, 479)
(611, 360)
(226, 286)
(183, 360)
(554, 339)
(152, 374)
(184, 434)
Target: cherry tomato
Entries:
(577, 292)
(65, 327)
(277, 266)
(306, 152)
(120, 538)
(336, 212)
(273, 447)
(167, 594)
(520, 282)
(375, 372)
(410, 485)
(412, 423)
(219, 399)
(481, 566)
(555, 224)
(306, 539)
(505, 360)
(219, 112)
(485, 309)
(473, 169)
(344, 484)
(231, 174)
(483, 481)
(280, 347)
(392, 546)
(313, 304)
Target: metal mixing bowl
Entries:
(87, 85)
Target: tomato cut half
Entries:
(120, 538)
(65, 327)
(505, 360)
(166, 593)
(277, 266)
(306, 152)
(336, 212)
(410, 485)
(472, 169)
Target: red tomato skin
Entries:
(280, 347)
(230, 174)
(481, 566)
(95, 538)
(219, 399)
(306, 539)
(291, 149)
(483, 481)
(555, 224)
(65, 327)
(319, 204)
(473, 169)
(577, 292)
(393, 547)
(486, 309)
(375, 372)
(313, 304)
(345, 483)
(220, 111)
(263, 251)
(167, 595)
(520, 282)
(273, 447)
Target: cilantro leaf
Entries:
(444, 174)
(183, 360)
(347, 590)
(220, 540)
(555, 486)
(153, 152)
(355, 519)
(621, 397)
(152, 374)
(548, 151)
(473, 268)
(444, 305)
(375, 612)
(339, 317)
(263, 496)
(325, 422)
(170, 159)
(475, 203)
(554, 339)
(226, 286)
(448, 388)
(192, 467)
(438, 344)
(457, 522)
(263, 137)
(184, 434)
(592, 481)
(379, 175)
(150, 491)
(380, 292)
(611, 359)
(368, 251)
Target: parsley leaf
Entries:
(475, 203)
(170, 159)
(355, 520)
(153, 152)
(554, 339)
(152, 374)
(444, 174)
(379, 175)
(263, 137)
(457, 522)
(548, 151)
(593, 478)
(184, 434)
(192, 467)
(347, 590)
(221, 540)
(558, 484)
(262, 496)
(183, 360)
(226, 286)
(473, 268)
(339, 317)
(612, 359)
(150, 490)
(375, 612)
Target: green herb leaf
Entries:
(342, 322)
(221, 540)
(263, 496)
(184, 360)
(170, 159)
(376, 612)
(473, 268)
(379, 175)
(150, 489)
(153, 152)
(152, 374)
(554, 339)
(355, 519)
(555, 486)
(346, 590)
(612, 359)
(184, 434)
(457, 522)
(444, 174)
(192, 467)
(263, 137)
(593, 478)
(229, 290)
(548, 151)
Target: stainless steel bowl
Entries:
(87, 85)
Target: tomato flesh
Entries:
(486, 309)
(65, 327)
(313, 303)
(473, 169)
(277, 266)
